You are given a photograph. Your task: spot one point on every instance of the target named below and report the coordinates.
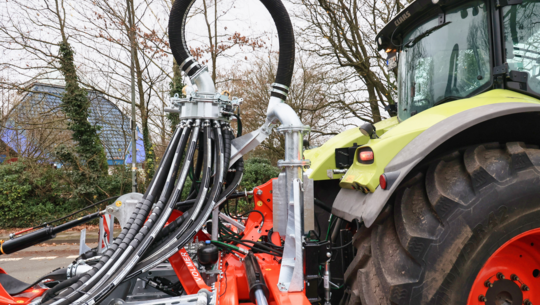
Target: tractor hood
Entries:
(323, 158)
(393, 137)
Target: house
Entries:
(37, 124)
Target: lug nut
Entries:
(482, 298)
(524, 287)
(500, 276)
(488, 284)
(514, 278)
(527, 302)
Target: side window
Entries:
(522, 40)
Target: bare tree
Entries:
(343, 33)
(310, 96)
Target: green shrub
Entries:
(257, 171)
(32, 193)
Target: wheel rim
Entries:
(511, 275)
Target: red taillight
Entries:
(366, 155)
(382, 181)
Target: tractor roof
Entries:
(388, 37)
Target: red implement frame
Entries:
(183, 266)
(24, 297)
(233, 286)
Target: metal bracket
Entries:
(123, 207)
(83, 248)
(244, 144)
(291, 275)
(500, 70)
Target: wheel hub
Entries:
(504, 292)
(507, 275)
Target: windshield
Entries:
(440, 62)
(522, 40)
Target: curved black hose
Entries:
(197, 172)
(249, 212)
(199, 201)
(160, 213)
(286, 42)
(168, 230)
(227, 140)
(135, 222)
(285, 32)
(183, 238)
(270, 232)
(177, 37)
(51, 293)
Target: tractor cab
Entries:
(442, 51)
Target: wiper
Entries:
(411, 43)
(447, 99)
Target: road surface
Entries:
(30, 264)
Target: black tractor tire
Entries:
(444, 224)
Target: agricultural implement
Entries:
(438, 204)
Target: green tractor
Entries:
(446, 194)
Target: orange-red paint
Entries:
(183, 266)
(25, 297)
(519, 256)
(233, 287)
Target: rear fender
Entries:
(351, 204)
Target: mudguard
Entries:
(403, 147)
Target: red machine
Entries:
(232, 285)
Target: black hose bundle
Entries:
(127, 257)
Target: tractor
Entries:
(439, 204)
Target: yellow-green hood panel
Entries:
(394, 138)
(323, 158)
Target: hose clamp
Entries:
(193, 65)
(286, 94)
(186, 61)
(281, 86)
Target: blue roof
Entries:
(115, 132)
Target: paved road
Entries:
(32, 263)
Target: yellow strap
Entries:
(1, 244)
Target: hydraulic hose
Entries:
(160, 213)
(41, 235)
(181, 239)
(199, 201)
(136, 221)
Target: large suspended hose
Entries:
(180, 50)
(123, 260)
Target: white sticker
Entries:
(326, 282)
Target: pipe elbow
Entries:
(204, 81)
(278, 111)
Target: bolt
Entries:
(500, 276)
(524, 287)
(514, 278)
(259, 192)
(527, 302)
(488, 284)
(482, 298)
(328, 254)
